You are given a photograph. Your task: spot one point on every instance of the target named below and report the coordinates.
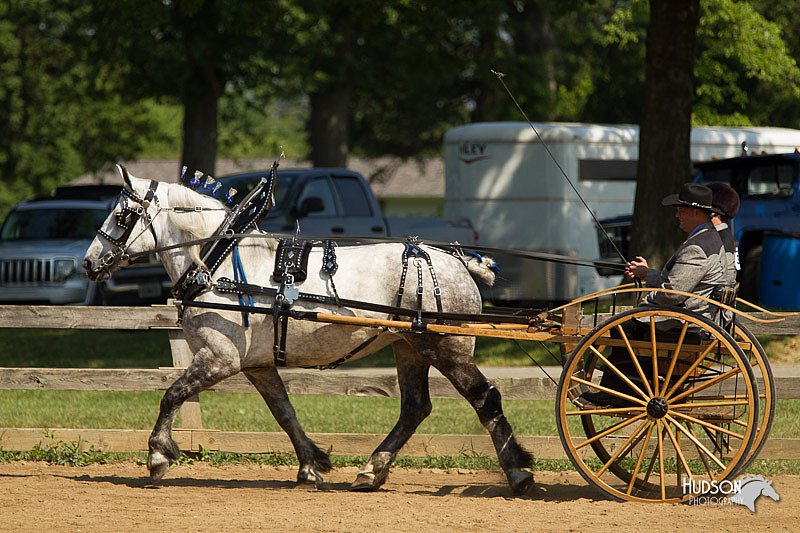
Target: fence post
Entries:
(181, 358)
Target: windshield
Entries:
(769, 179)
(59, 223)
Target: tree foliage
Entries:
(85, 84)
(57, 121)
(191, 51)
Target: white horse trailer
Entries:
(500, 176)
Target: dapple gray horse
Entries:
(222, 346)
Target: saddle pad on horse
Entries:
(291, 258)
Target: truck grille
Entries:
(25, 271)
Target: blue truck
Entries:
(769, 189)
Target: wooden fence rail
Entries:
(515, 384)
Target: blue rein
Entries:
(238, 275)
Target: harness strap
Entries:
(330, 266)
(342, 360)
(239, 275)
(127, 219)
(415, 251)
(227, 285)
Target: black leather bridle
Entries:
(127, 216)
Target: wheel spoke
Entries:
(619, 373)
(607, 411)
(708, 425)
(708, 404)
(654, 355)
(635, 360)
(635, 472)
(700, 453)
(696, 442)
(691, 369)
(624, 448)
(679, 452)
(616, 427)
(706, 384)
(610, 391)
(661, 460)
(676, 352)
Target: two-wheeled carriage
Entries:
(699, 404)
(697, 399)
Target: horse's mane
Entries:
(194, 224)
(752, 477)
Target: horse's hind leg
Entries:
(452, 356)
(312, 460)
(415, 406)
(205, 371)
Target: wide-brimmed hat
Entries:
(724, 198)
(691, 195)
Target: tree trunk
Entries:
(200, 102)
(536, 39)
(329, 127)
(666, 126)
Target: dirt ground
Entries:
(200, 497)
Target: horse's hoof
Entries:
(308, 476)
(365, 482)
(521, 481)
(158, 465)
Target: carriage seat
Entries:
(726, 294)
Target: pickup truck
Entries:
(769, 190)
(336, 202)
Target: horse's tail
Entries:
(481, 267)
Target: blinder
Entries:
(126, 218)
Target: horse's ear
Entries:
(125, 176)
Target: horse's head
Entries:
(127, 230)
(769, 491)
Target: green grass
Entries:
(247, 412)
(319, 414)
(63, 348)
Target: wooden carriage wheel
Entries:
(685, 408)
(765, 380)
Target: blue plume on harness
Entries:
(493, 267)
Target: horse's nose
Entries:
(87, 265)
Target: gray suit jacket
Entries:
(698, 266)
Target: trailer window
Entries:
(607, 170)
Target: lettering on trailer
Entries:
(471, 152)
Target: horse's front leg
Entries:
(313, 461)
(205, 371)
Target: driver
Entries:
(698, 266)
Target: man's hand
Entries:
(637, 268)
